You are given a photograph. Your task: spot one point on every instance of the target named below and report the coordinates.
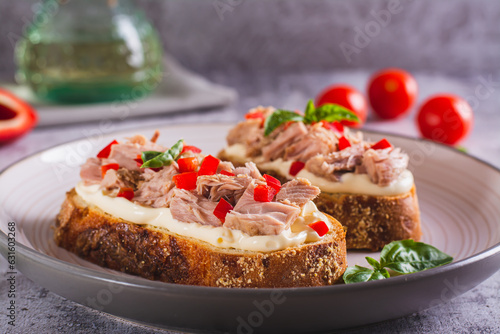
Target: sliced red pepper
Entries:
(320, 227)
(127, 193)
(187, 164)
(106, 151)
(273, 182)
(222, 209)
(343, 143)
(263, 193)
(209, 165)
(296, 167)
(225, 172)
(381, 144)
(190, 148)
(16, 117)
(105, 168)
(185, 181)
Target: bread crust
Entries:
(374, 221)
(158, 254)
(371, 221)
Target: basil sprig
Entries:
(279, 117)
(329, 112)
(155, 159)
(403, 257)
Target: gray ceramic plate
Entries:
(460, 203)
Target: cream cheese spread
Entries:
(299, 233)
(349, 182)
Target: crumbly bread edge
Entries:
(158, 254)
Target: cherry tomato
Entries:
(392, 92)
(347, 97)
(16, 117)
(445, 118)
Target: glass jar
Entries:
(78, 51)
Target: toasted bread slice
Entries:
(371, 221)
(158, 254)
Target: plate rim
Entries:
(141, 283)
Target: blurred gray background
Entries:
(453, 37)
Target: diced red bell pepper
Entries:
(190, 148)
(381, 144)
(263, 193)
(259, 115)
(139, 161)
(255, 115)
(273, 182)
(222, 209)
(334, 126)
(343, 143)
(225, 172)
(185, 181)
(105, 168)
(209, 165)
(104, 153)
(296, 167)
(320, 227)
(187, 164)
(127, 193)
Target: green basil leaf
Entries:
(154, 159)
(408, 256)
(374, 263)
(148, 155)
(279, 117)
(176, 149)
(331, 112)
(309, 113)
(361, 274)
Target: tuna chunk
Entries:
(90, 171)
(256, 224)
(225, 165)
(317, 141)
(121, 178)
(215, 187)
(138, 139)
(330, 166)
(124, 154)
(250, 169)
(276, 148)
(260, 218)
(155, 191)
(248, 133)
(384, 166)
(298, 191)
(147, 145)
(188, 207)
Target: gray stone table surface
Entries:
(477, 311)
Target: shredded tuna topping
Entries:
(317, 145)
(194, 190)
